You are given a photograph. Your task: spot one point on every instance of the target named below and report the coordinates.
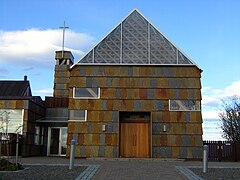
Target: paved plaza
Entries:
(101, 168)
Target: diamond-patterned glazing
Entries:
(183, 59)
(135, 41)
(108, 50)
(88, 58)
(162, 51)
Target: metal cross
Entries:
(63, 27)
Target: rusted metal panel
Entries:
(54, 102)
(61, 93)
(136, 88)
(136, 71)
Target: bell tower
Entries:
(64, 60)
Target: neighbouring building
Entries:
(134, 94)
(19, 111)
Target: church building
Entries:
(133, 95)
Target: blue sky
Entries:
(206, 30)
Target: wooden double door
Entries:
(134, 139)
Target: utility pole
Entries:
(64, 27)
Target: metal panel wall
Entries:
(137, 88)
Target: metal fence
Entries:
(223, 150)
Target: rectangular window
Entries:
(11, 120)
(77, 115)
(184, 105)
(37, 135)
(86, 93)
(38, 140)
(42, 135)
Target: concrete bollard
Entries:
(72, 154)
(205, 158)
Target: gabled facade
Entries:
(135, 94)
(135, 41)
(19, 111)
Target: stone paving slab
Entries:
(216, 172)
(127, 168)
(88, 173)
(188, 173)
(43, 172)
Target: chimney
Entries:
(25, 78)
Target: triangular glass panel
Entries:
(135, 41)
(88, 58)
(108, 50)
(182, 59)
(162, 51)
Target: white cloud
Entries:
(34, 46)
(233, 89)
(211, 105)
(211, 98)
(210, 114)
(215, 136)
(43, 92)
(212, 129)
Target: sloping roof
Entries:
(15, 88)
(135, 41)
